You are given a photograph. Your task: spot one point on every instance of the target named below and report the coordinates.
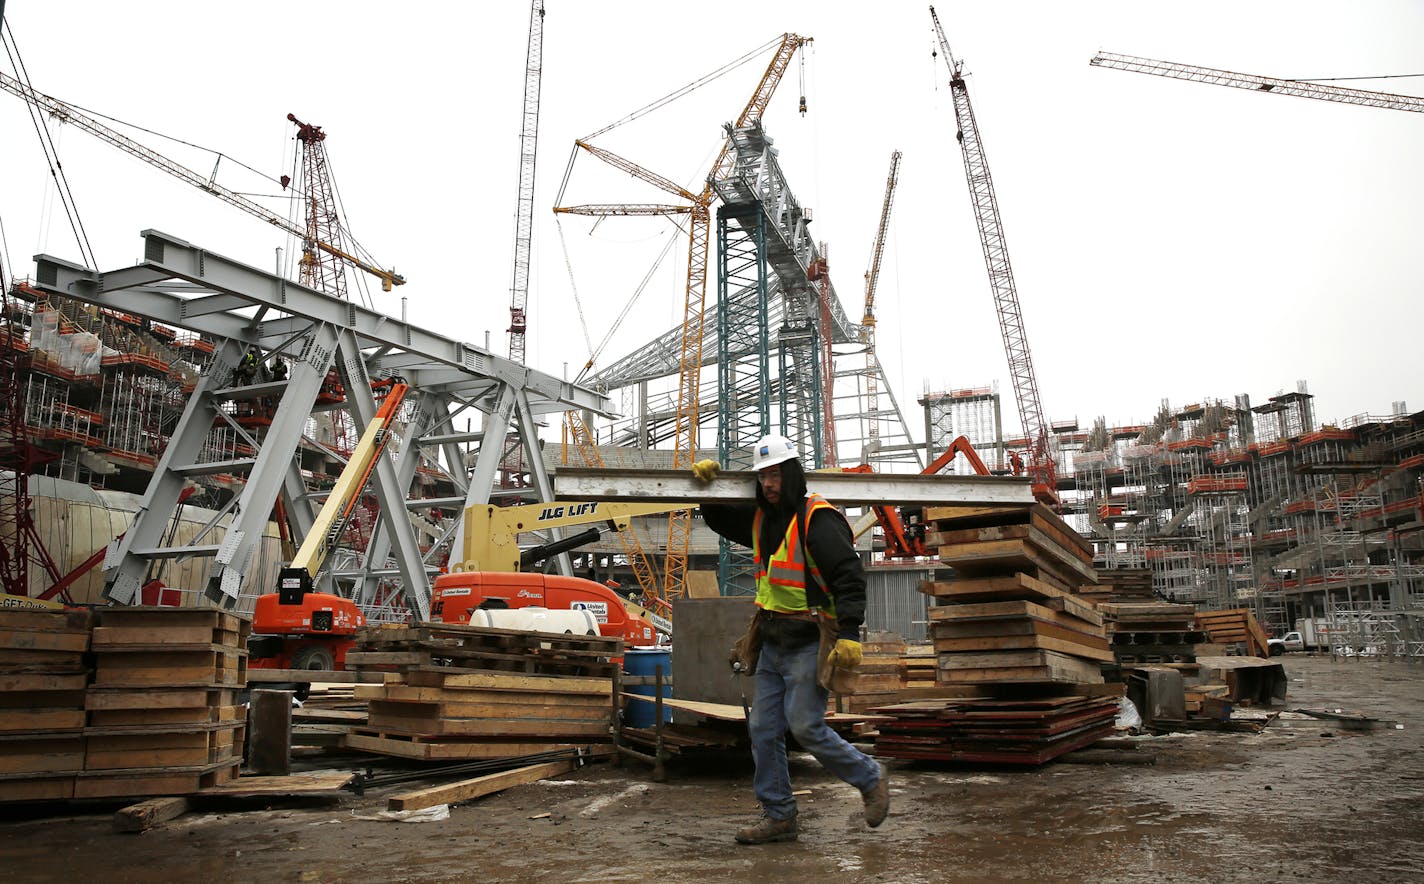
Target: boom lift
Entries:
(1001, 278)
(490, 575)
(296, 627)
(904, 528)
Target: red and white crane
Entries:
(1041, 467)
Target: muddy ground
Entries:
(1310, 802)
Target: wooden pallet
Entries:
(426, 748)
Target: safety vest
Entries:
(781, 582)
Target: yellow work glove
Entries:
(705, 470)
(846, 654)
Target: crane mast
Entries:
(524, 215)
(867, 324)
(694, 302)
(1273, 85)
(320, 270)
(68, 114)
(1001, 279)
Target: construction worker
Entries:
(810, 604)
(247, 368)
(279, 369)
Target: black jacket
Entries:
(828, 539)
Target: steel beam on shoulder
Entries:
(851, 489)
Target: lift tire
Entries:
(314, 657)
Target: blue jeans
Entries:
(788, 697)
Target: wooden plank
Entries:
(478, 787)
(145, 815)
(38, 755)
(1071, 668)
(1014, 609)
(409, 694)
(18, 682)
(1019, 626)
(110, 637)
(510, 681)
(38, 788)
(1034, 551)
(295, 784)
(996, 589)
(964, 516)
(39, 719)
(256, 675)
(28, 640)
(1017, 642)
(452, 750)
(499, 711)
(485, 727)
(69, 620)
(99, 697)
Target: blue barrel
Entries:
(646, 662)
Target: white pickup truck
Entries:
(1291, 641)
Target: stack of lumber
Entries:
(1017, 648)
(163, 710)
(1012, 614)
(918, 667)
(1237, 626)
(43, 673)
(504, 693)
(1006, 730)
(1152, 632)
(879, 677)
(1121, 585)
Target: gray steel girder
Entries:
(851, 489)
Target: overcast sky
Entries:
(1170, 240)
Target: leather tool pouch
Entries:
(745, 652)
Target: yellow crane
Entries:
(69, 114)
(699, 207)
(867, 324)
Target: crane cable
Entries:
(56, 168)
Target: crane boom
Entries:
(1001, 279)
(524, 215)
(1255, 83)
(867, 324)
(69, 114)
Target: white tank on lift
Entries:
(533, 619)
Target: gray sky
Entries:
(1169, 239)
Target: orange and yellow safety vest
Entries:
(781, 582)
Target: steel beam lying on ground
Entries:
(740, 487)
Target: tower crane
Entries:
(1273, 85)
(311, 247)
(699, 233)
(524, 214)
(1041, 467)
(867, 324)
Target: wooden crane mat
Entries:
(393, 648)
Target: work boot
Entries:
(877, 800)
(768, 829)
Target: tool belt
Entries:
(786, 630)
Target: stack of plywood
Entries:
(1237, 626)
(43, 673)
(505, 693)
(918, 667)
(163, 711)
(1007, 729)
(1152, 632)
(1013, 614)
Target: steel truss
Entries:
(180, 285)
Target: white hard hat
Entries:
(772, 449)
